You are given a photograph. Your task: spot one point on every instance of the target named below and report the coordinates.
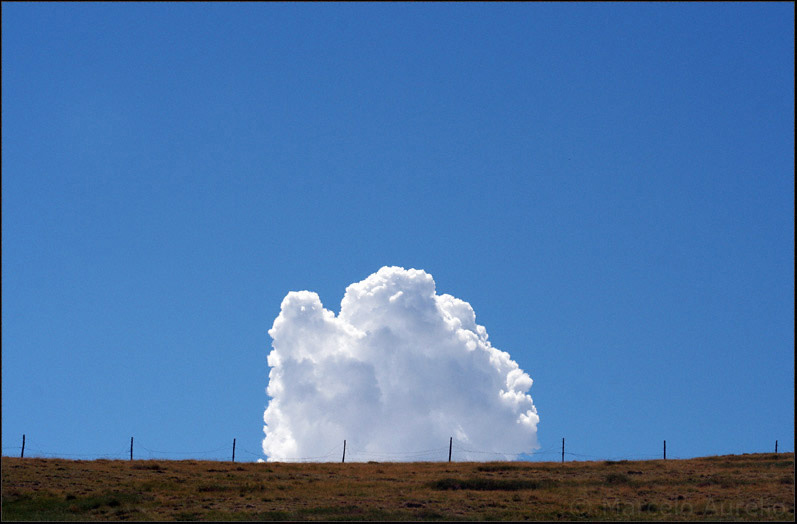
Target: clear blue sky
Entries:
(610, 186)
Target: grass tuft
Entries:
(617, 478)
(498, 467)
(482, 484)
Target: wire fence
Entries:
(354, 452)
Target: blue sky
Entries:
(610, 186)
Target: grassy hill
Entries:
(733, 487)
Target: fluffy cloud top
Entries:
(398, 371)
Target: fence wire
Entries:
(460, 452)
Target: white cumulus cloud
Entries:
(396, 373)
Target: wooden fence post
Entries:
(233, 450)
(343, 460)
(22, 455)
(450, 444)
(131, 448)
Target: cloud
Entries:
(396, 373)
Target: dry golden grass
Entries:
(734, 487)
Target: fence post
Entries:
(233, 450)
(131, 448)
(450, 444)
(22, 455)
(776, 444)
(665, 450)
(343, 460)
(563, 450)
